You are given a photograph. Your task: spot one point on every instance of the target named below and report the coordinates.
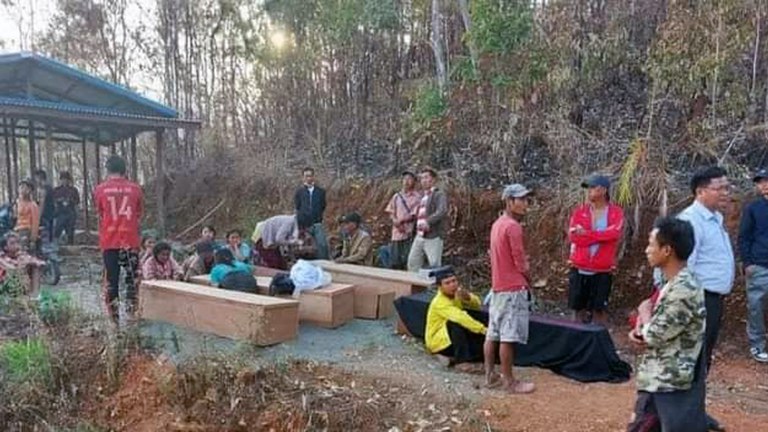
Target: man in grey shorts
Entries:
(509, 309)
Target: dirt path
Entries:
(738, 393)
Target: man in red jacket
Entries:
(119, 202)
(594, 232)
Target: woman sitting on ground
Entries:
(148, 243)
(231, 274)
(14, 263)
(451, 332)
(161, 265)
(27, 216)
(240, 251)
(201, 262)
(207, 234)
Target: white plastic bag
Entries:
(307, 277)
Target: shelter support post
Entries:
(49, 154)
(159, 181)
(15, 151)
(86, 192)
(32, 149)
(8, 155)
(98, 163)
(134, 162)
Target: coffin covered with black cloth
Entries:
(584, 352)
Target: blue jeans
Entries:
(757, 294)
(321, 241)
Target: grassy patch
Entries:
(26, 361)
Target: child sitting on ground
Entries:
(161, 265)
(240, 250)
(201, 262)
(14, 263)
(148, 243)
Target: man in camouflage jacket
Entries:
(670, 377)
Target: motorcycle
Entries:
(48, 250)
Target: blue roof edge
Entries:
(57, 66)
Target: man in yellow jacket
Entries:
(451, 332)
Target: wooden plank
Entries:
(263, 320)
(373, 272)
(400, 287)
(266, 271)
(329, 307)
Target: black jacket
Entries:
(315, 208)
(753, 233)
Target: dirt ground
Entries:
(369, 351)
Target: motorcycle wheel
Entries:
(51, 273)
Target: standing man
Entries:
(66, 199)
(753, 246)
(120, 204)
(671, 380)
(430, 224)
(310, 199)
(402, 211)
(712, 260)
(594, 232)
(45, 200)
(509, 311)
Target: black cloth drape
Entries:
(584, 352)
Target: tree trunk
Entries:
(467, 19)
(438, 45)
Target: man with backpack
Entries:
(402, 211)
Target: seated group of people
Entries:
(228, 264)
(277, 242)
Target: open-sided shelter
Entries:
(42, 99)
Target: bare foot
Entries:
(493, 381)
(520, 387)
(445, 361)
(470, 368)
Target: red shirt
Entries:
(119, 202)
(581, 256)
(509, 263)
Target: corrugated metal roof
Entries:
(72, 108)
(29, 75)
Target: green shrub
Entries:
(55, 307)
(429, 104)
(26, 362)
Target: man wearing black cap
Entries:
(451, 332)
(753, 246)
(402, 211)
(595, 230)
(66, 199)
(358, 244)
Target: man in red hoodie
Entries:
(594, 231)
